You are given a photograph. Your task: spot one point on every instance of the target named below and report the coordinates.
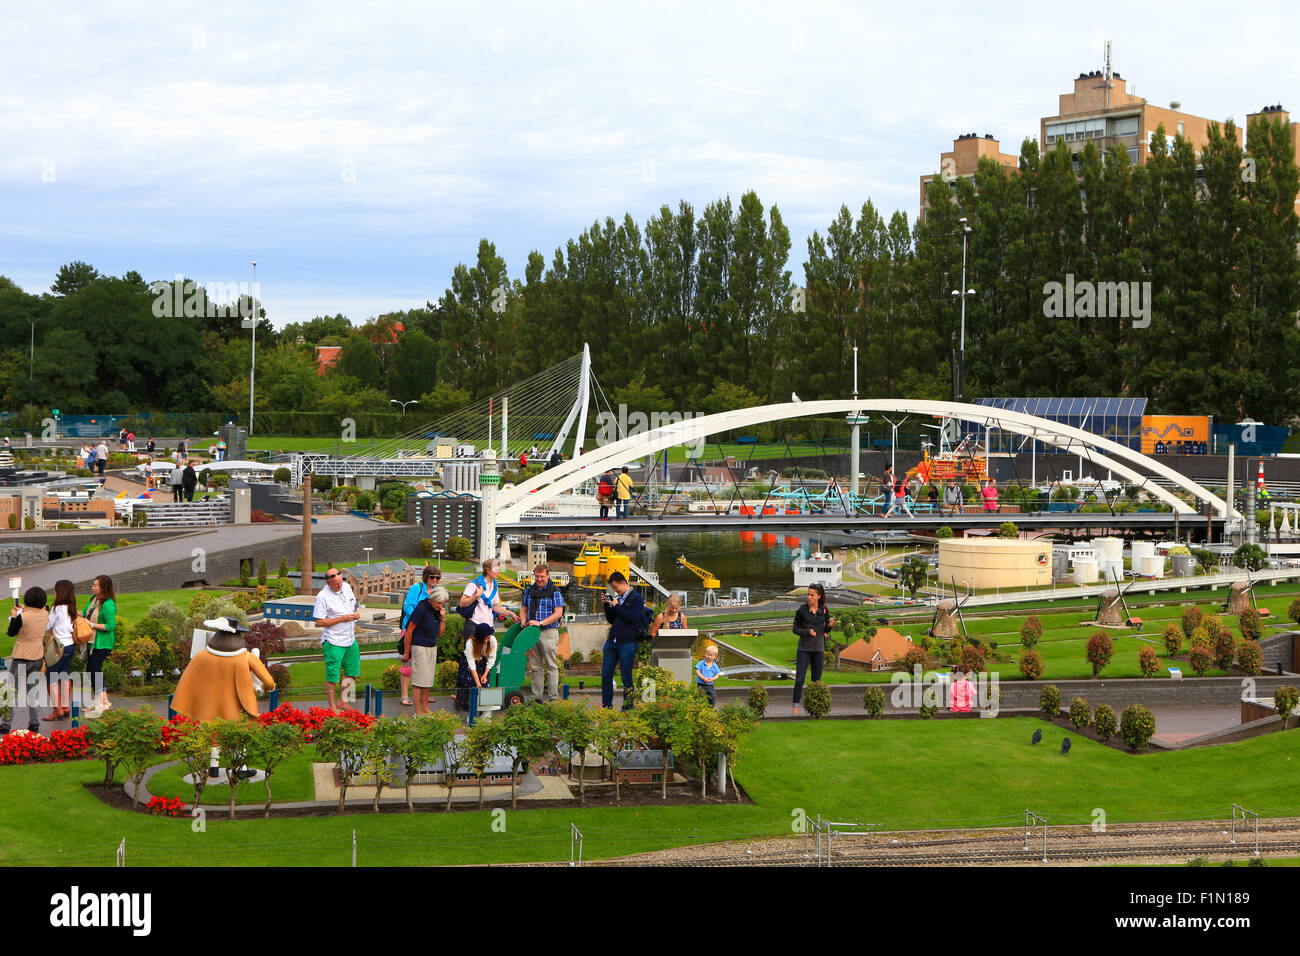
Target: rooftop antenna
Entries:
(1105, 76)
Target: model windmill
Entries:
(1241, 595)
(947, 620)
(1112, 609)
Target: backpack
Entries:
(534, 597)
(605, 488)
(467, 611)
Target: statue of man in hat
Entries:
(218, 683)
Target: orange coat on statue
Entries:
(218, 685)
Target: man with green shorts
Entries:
(336, 611)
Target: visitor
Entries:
(101, 457)
(934, 499)
(623, 488)
(523, 460)
(887, 487)
(626, 614)
(88, 458)
(475, 663)
(183, 449)
(423, 629)
(543, 605)
(28, 624)
(337, 612)
(62, 613)
(130, 442)
(990, 495)
(962, 694)
(176, 479)
(706, 672)
(150, 446)
(952, 498)
(901, 496)
(121, 440)
(101, 611)
(811, 623)
(670, 617)
(221, 449)
(532, 452)
(431, 578)
(189, 480)
(605, 493)
(556, 459)
(483, 596)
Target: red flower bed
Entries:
(171, 730)
(21, 746)
(70, 744)
(166, 806)
(310, 721)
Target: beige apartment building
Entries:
(962, 160)
(1273, 114)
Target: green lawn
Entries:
(898, 774)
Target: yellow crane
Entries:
(710, 582)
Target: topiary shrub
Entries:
(927, 711)
(1251, 628)
(972, 658)
(1100, 650)
(1201, 659)
(914, 657)
(282, 475)
(1213, 627)
(1136, 726)
(1049, 701)
(426, 548)
(1148, 663)
(1080, 715)
(944, 533)
(873, 701)
(1008, 529)
(13, 526)
(1249, 658)
(459, 549)
(1192, 618)
(391, 678)
(1031, 631)
(245, 572)
(1285, 700)
(758, 700)
(1103, 722)
(283, 588)
(261, 572)
(1173, 638)
(1031, 665)
(280, 674)
(445, 675)
(817, 699)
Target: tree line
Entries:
(699, 310)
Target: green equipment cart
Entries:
(513, 648)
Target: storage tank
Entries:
(1085, 570)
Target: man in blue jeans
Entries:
(626, 615)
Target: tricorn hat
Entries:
(225, 625)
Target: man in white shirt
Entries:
(485, 596)
(336, 611)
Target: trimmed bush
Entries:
(1136, 725)
(873, 701)
(1251, 629)
(283, 588)
(944, 533)
(972, 658)
(1008, 529)
(1080, 715)
(282, 475)
(574, 658)
(261, 572)
(1293, 611)
(758, 700)
(1192, 618)
(1148, 663)
(1049, 701)
(1201, 659)
(927, 711)
(1100, 650)
(245, 572)
(459, 549)
(284, 568)
(1225, 649)
(817, 699)
(392, 677)
(1213, 626)
(1103, 722)
(13, 526)
(445, 675)
(280, 674)
(426, 548)
(1031, 665)
(1284, 699)
(914, 657)
(1249, 658)
(1173, 638)
(1031, 631)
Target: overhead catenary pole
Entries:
(855, 439)
(252, 364)
(305, 583)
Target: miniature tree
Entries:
(1103, 721)
(1100, 650)
(244, 572)
(1031, 631)
(1201, 659)
(758, 700)
(340, 741)
(1136, 726)
(1285, 700)
(193, 748)
(615, 731)
(912, 575)
(1249, 622)
(284, 568)
(1031, 665)
(483, 743)
(531, 732)
(273, 745)
(1249, 658)
(1173, 638)
(817, 699)
(849, 626)
(1148, 663)
(1080, 716)
(261, 572)
(1049, 701)
(421, 740)
(665, 716)
(873, 701)
(575, 726)
(235, 738)
(1192, 619)
(1225, 649)
(737, 724)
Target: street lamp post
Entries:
(963, 292)
(438, 552)
(367, 551)
(414, 401)
(31, 361)
(252, 365)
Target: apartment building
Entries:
(963, 159)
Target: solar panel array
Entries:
(1119, 419)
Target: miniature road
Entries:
(152, 554)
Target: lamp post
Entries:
(31, 361)
(438, 552)
(414, 401)
(252, 364)
(367, 551)
(964, 291)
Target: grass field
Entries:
(898, 774)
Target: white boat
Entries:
(819, 568)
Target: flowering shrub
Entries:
(70, 744)
(1031, 665)
(166, 806)
(1147, 662)
(1192, 619)
(1099, 651)
(1173, 638)
(1249, 658)
(1103, 721)
(23, 746)
(1031, 631)
(310, 721)
(171, 730)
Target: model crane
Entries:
(710, 583)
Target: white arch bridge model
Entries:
(1120, 459)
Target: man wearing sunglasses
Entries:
(337, 611)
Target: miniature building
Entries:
(881, 652)
(641, 766)
(820, 569)
(368, 579)
(995, 562)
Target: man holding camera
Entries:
(626, 614)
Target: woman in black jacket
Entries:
(811, 622)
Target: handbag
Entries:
(53, 649)
(82, 632)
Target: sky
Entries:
(358, 152)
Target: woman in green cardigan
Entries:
(101, 611)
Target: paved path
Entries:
(152, 554)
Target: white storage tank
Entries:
(1085, 570)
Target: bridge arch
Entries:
(1120, 459)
